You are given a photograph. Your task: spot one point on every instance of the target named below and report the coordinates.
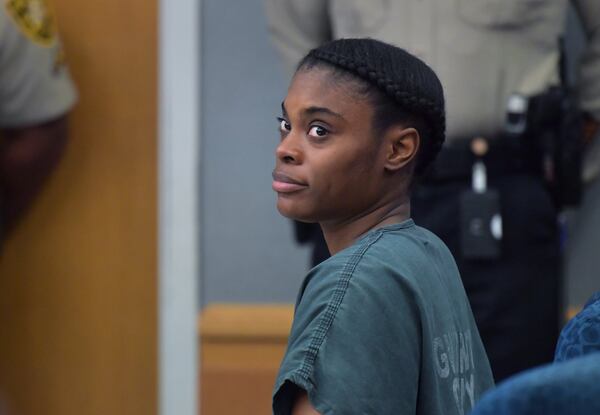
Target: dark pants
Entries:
(515, 298)
(311, 233)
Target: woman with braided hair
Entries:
(384, 325)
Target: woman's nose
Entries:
(288, 151)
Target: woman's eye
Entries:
(284, 125)
(317, 131)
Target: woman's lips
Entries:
(282, 183)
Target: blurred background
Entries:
(90, 278)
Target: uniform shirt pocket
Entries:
(358, 17)
(501, 13)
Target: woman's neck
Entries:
(340, 235)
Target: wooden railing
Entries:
(241, 348)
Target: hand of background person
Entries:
(28, 155)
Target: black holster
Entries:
(553, 143)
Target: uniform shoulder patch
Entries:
(34, 19)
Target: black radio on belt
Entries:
(550, 127)
(480, 217)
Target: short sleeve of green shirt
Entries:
(35, 85)
(361, 341)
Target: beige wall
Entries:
(78, 280)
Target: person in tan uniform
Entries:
(36, 94)
(486, 53)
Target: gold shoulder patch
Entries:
(34, 19)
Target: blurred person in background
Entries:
(512, 157)
(36, 94)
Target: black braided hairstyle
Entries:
(402, 88)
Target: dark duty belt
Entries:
(501, 156)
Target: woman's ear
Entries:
(401, 145)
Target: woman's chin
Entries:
(292, 211)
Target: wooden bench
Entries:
(241, 348)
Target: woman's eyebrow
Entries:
(314, 110)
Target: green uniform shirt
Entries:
(385, 327)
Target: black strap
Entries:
(505, 156)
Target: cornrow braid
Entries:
(406, 80)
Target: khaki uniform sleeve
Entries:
(589, 72)
(35, 85)
(297, 26)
